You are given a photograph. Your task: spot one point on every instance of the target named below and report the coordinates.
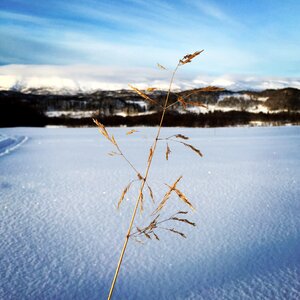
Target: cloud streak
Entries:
(136, 33)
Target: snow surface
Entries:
(61, 234)
(71, 114)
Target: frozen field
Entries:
(61, 234)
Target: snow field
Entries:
(61, 234)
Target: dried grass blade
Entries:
(193, 148)
(183, 197)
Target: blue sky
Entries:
(253, 38)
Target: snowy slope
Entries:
(61, 234)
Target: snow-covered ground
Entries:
(61, 234)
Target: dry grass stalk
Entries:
(156, 224)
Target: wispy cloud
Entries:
(210, 9)
(139, 33)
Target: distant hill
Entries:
(41, 107)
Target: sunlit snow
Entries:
(61, 234)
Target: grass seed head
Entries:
(166, 196)
(181, 136)
(123, 194)
(131, 131)
(184, 198)
(178, 232)
(168, 151)
(189, 57)
(193, 148)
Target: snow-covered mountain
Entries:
(48, 86)
(71, 80)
